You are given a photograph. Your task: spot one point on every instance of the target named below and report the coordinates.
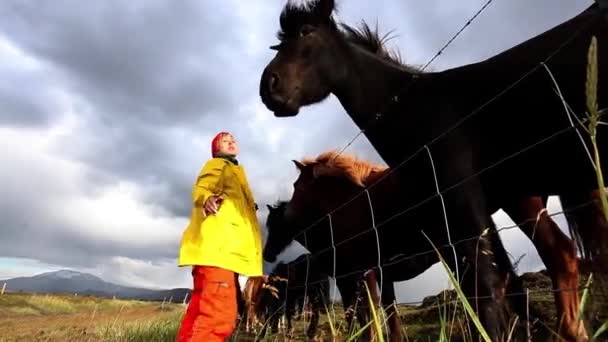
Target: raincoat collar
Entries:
(228, 157)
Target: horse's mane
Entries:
(357, 171)
(371, 41)
(294, 15)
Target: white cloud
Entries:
(144, 273)
(23, 267)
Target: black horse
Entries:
(291, 281)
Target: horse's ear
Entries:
(299, 165)
(324, 8)
(269, 207)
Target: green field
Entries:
(25, 317)
(37, 317)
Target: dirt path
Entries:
(74, 326)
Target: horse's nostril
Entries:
(274, 82)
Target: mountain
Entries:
(67, 281)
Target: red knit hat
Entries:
(215, 143)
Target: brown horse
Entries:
(329, 180)
(254, 290)
(485, 136)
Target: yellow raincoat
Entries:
(230, 239)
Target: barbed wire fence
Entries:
(574, 124)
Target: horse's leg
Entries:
(349, 288)
(363, 308)
(388, 303)
(240, 300)
(290, 308)
(317, 304)
(486, 264)
(275, 313)
(348, 294)
(558, 253)
(247, 317)
(371, 284)
(511, 288)
(484, 287)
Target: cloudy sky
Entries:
(107, 109)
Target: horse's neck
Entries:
(369, 85)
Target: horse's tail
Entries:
(588, 228)
(583, 239)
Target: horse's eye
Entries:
(306, 29)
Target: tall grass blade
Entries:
(443, 337)
(356, 334)
(585, 297)
(594, 119)
(331, 322)
(375, 316)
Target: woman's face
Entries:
(228, 145)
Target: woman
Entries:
(222, 241)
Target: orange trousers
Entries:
(212, 313)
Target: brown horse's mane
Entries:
(360, 172)
(295, 15)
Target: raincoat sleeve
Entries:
(209, 182)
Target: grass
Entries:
(594, 120)
(42, 317)
(68, 318)
(147, 330)
(34, 304)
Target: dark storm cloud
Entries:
(155, 61)
(25, 101)
(152, 75)
(57, 247)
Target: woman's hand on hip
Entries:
(212, 204)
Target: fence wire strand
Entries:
(396, 260)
